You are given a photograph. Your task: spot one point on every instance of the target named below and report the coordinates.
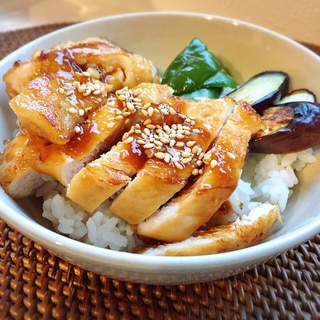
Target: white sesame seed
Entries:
(166, 140)
(146, 106)
(87, 92)
(158, 143)
(144, 113)
(77, 129)
(195, 149)
(94, 73)
(72, 110)
(81, 112)
(149, 145)
(213, 163)
(150, 111)
(146, 131)
(201, 155)
(128, 140)
(206, 160)
(179, 136)
(130, 106)
(199, 152)
(178, 165)
(172, 143)
(141, 141)
(195, 172)
(110, 125)
(167, 157)
(151, 126)
(191, 143)
(186, 154)
(186, 160)
(180, 144)
(147, 122)
(160, 155)
(231, 155)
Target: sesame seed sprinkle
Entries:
(231, 155)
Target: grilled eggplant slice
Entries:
(303, 95)
(292, 127)
(263, 89)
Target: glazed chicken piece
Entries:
(103, 128)
(105, 61)
(244, 232)
(46, 111)
(59, 88)
(175, 143)
(199, 200)
(103, 177)
(17, 176)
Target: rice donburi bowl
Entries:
(283, 161)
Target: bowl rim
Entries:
(60, 243)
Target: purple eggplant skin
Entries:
(301, 133)
(263, 89)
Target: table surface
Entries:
(35, 284)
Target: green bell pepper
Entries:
(197, 72)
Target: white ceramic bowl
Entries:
(244, 49)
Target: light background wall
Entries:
(298, 19)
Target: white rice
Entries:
(265, 178)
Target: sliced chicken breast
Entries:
(175, 146)
(103, 177)
(196, 204)
(103, 128)
(17, 176)
(244, 232)
(46, 110)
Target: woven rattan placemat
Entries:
(34, 284)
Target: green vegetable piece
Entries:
(196, 68)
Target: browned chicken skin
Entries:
(57, 89)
